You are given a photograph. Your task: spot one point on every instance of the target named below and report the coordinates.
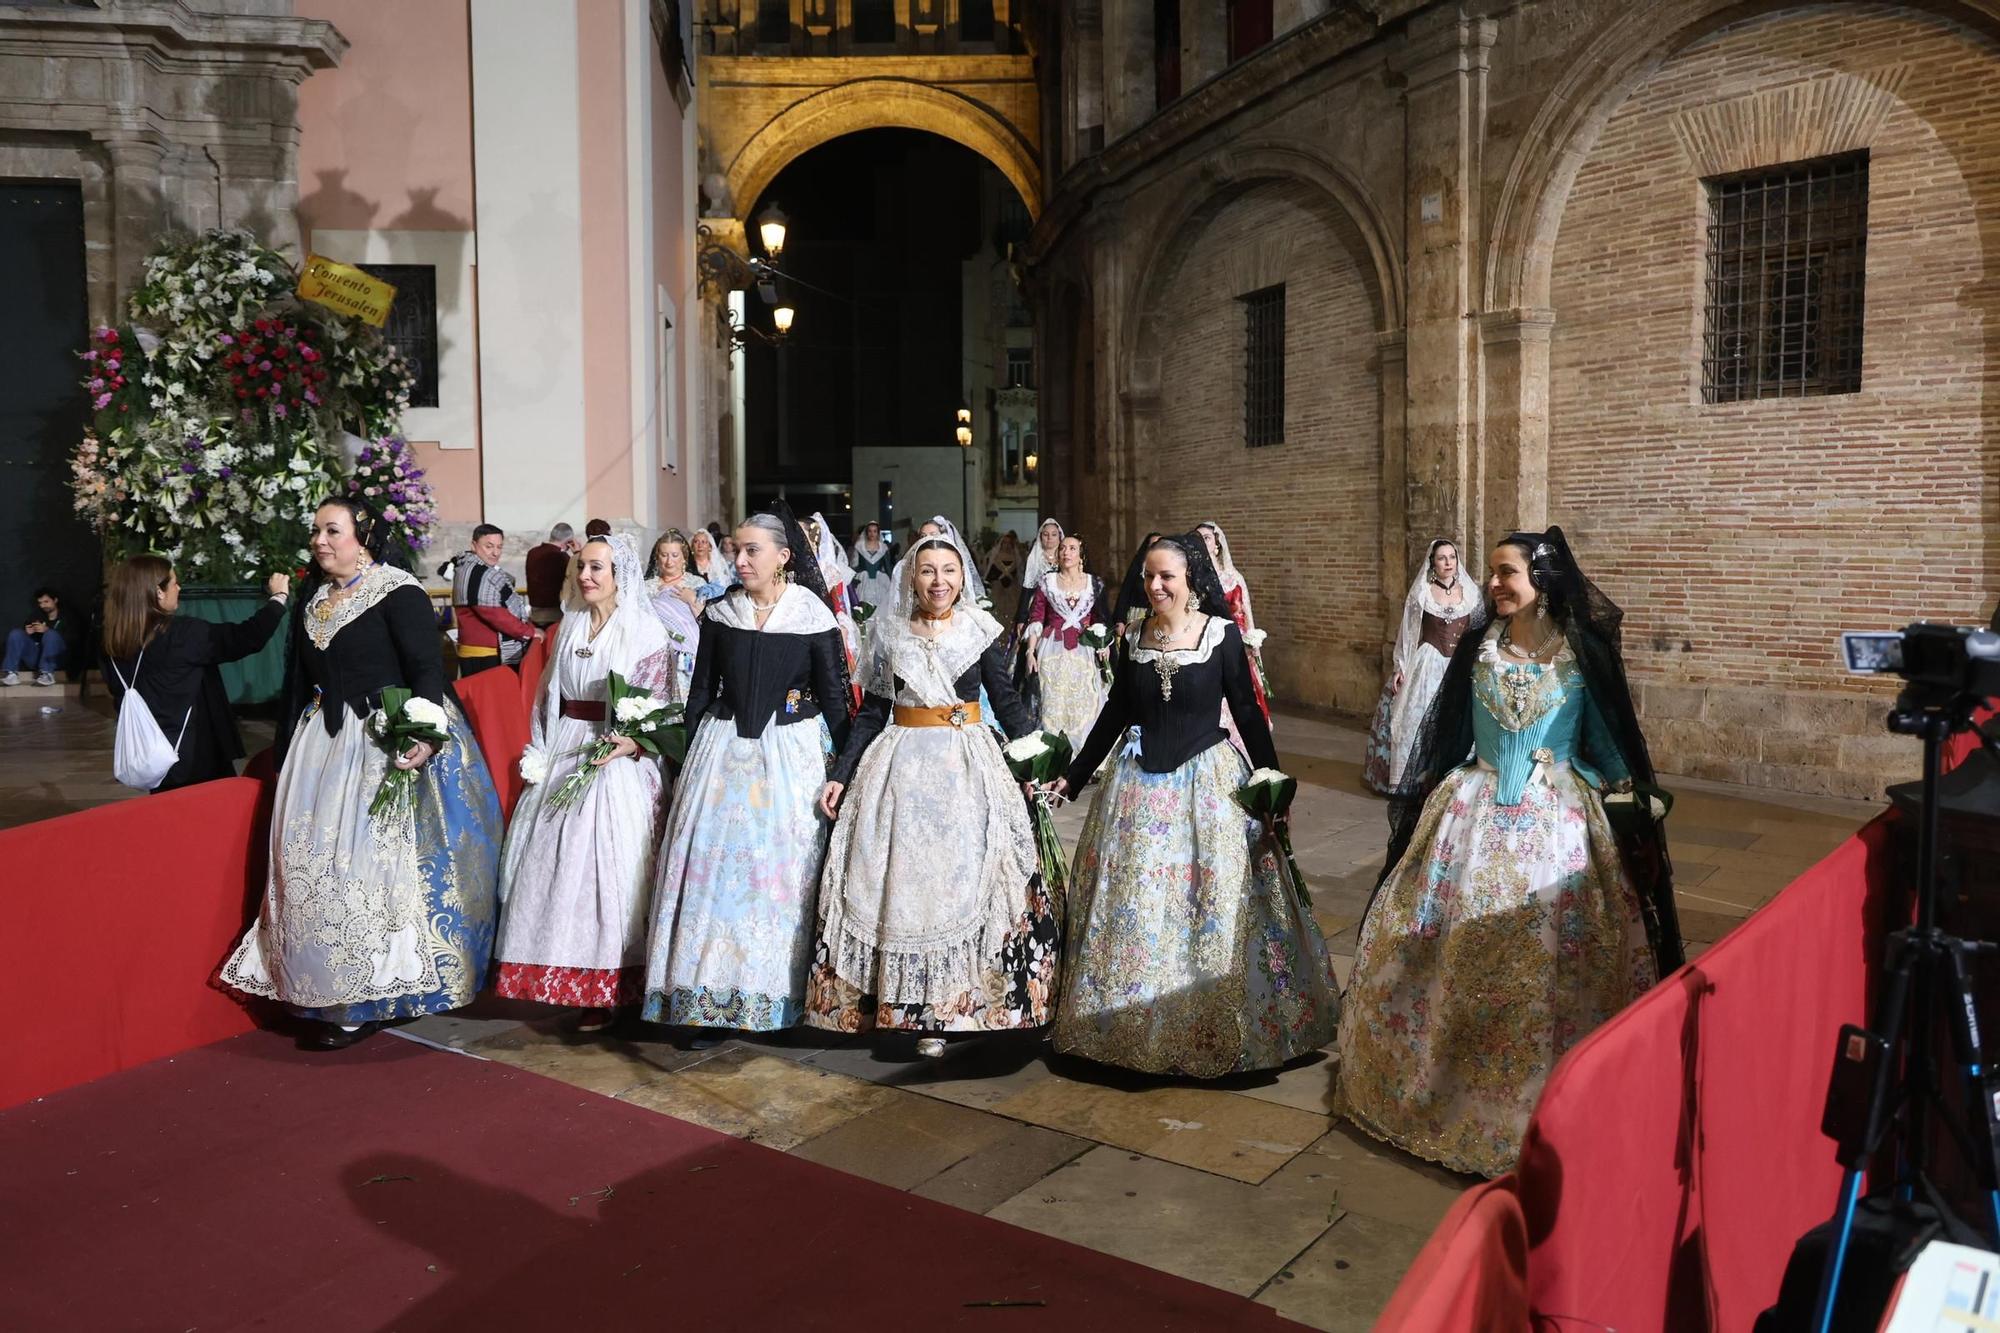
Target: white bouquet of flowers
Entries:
(637, 715)
(1040, 757)
(404, 719)
(1267, 794)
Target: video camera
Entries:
(1942, 663)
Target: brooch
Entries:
(1543, 756)
(958, 717)
(791, 701)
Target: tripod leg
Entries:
(1982, 1113)
(1903, 961)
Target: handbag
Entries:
(141, 757)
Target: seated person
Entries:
(43, 642)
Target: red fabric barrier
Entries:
(492, 704)
(120, 916)
(1472, 1273)
(533, 662)
(1676, 1156)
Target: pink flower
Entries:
(103, 401)
(91, 355)
(277, 409)
(228, 340)
(97, 384)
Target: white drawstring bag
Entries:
(142, 758)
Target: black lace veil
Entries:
(1591, 624)
(1132, 592)
(805, 571)
(1203, 580)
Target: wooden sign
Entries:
(347, 289)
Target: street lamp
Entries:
(781, 319)
(964, 434)
(771, 230)
(964, 431)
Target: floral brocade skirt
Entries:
(1188, 951)
(1072, 690)
(739, 867)
(374, 917)
(1502, 938)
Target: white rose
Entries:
(1255, 638)
(1027, 747)
(534, 765)
(424, 712)
(637, 708)
(1265, 776)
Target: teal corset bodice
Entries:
(1529, 713)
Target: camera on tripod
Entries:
(1942, 663)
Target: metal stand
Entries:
(1926, 968)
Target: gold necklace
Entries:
(327, 604)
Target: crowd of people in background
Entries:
(841, 843)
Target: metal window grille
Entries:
(1020, 367)
(413, 324)
(1787, 249)
(1264, 366)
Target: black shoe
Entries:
(334, 1037)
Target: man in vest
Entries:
(491, 631)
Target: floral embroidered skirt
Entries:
(1072, 690)
(1188, 952)
(374, 917)
(575, 883)
(732, 923)
(1380, 758)
(1502, 938)
(932, 914)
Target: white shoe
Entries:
(45, 679)
(11, 678)
(930, 1048)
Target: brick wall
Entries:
(1742, 537)
(1302, 516)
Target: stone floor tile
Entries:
(978, 1072)
(1710, 835)
(1382, 1182)
(1345, 1277)
(598, 1062)
(1004, 1168)
(457, 1031)
(764, 1098)
(1308, 1086)
(1222, 1232)
(1231, 1135)
(907, 1140)
(1707, 925)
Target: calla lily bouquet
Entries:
(637, 715)
(405, 718)
(863, 612)
(1254, 641)
(1041, 757)
(985, 604)
(1267, 794)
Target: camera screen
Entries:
(1872, 653)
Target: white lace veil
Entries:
(1422, 598)
(633, 633)
(1038, 566)
(1226, 571)
(975, 586)
(832, 556)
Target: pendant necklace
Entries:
(324, 611)
(1164, 666)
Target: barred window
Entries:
(1020, 367)
(1787, 248)
(413, 324)
(1264, 366)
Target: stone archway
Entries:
(883, 103)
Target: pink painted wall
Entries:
(673, 257)
(387, 136)
(386, 145)
(607, 320)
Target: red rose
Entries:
(242, 393)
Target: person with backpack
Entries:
(174, 723)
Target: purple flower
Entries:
(103, 401)
(97, 385)
(277, 409)
(91, 355)
(228, 340)
(190, 467)
(263, 365)
(225, 473)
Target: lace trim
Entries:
(1520, 707)
(1211, 636)
(799, 611)
(378, 582)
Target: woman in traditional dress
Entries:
(674, 591)
(873, 557)
(715, 573)
(932, 914)
(1069, 601)
(1237, 590)
(739, 866)
(1043, 558)
(1511, 920)
(1189, 950)
(839, 579)
(575, 881)
(1003, 576)
(369, 918)
(1444, 603)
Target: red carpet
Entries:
(392, 1187)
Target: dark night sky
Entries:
(883, 218)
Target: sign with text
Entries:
(347, 289)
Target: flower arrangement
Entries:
(215, 406)
(404, 719)
(1097, 638)
(387, 479)
(1267, 794)
(1040, 758)
(637, 715)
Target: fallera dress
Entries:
(1506, 933)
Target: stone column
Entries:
(1395, 538)
(1083, 81)
(1204, 41)
(1444, 65)
(1128, 65)
(1514, 432)
(138, 207)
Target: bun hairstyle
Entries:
(1547, 570)
(772, 526)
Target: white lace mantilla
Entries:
(928, 668)
(377, 582)
(799, 611)
(1211, 638)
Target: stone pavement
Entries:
(1247, 1183)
